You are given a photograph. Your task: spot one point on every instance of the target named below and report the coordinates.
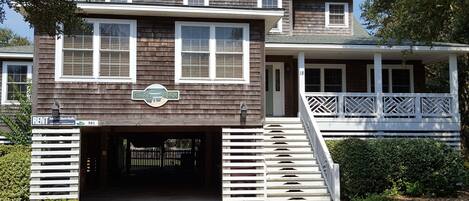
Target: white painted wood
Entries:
(235, 174)
(301, 73)
(378, 65)
(42, 163)
(278, 95)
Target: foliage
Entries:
(426, 21)
(373, 197)
(14, 172)
(47, 16)
(397, 166)
(19, 123)
(8, 38)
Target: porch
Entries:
(367, 92)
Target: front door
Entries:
(275, 89)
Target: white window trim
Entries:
(279, 28)
(390, 67)
(321, 67)
(212, 59)
(96, 65)
(5, 78)
(186, 2)
(346, 10)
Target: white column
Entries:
(378, 69)
(301, 78)
(453, 82)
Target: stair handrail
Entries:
(329, 169)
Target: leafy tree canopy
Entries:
(8, 38)
(46, 16)
(418, 21)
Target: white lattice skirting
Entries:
(55, 160)
(243, 165)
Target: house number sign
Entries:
(155, 95)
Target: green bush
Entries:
(403, 166)
(14, 172)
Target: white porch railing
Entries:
(329, 169)
(412, 105)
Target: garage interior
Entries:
(150, 163)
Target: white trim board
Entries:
(132, 78)
(186, 2)
(212, 58)
(365, 48)
(4, 91)
(17, 55)
(346, 15)
(279, 28)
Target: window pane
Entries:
(195, 65)
(401, 81)
(229, 39)
(78, 53)
(336, 9)
(336, 19)
(114, 50)
(195, 2)
(313, 80)
(269, 3)
(17, 80)
(195, 51)
(336, 14)
(78, 63)
(195, 38)
(332, 80)
(229, 52)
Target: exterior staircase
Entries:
(292, 170)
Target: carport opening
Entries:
(162, 166)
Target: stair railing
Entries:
(329, 169)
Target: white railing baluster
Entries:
(418, 107)
(340, 105)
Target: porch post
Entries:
(453, 82)
(301, 78)
(378, 66)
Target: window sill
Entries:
(98, 80)
(337, 26)
(216, 81)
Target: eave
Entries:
(8, 55)
(270, 16)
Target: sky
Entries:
(15, 21)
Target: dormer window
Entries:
(336, 14)
(272, 4)
(196, 2)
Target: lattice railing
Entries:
(399, 105)
(412, 105)
(436, 106)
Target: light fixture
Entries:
(56, 111)
(243, 112)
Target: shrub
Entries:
(404, 166)
(14, 172)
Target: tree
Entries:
(426, 21)
(18, 122)
(47, 16)
(8, 38)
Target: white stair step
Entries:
(316, 198)
(292, 150)
(295, 185)
(290, 163)
(296, 192)
(277, 127)
(280, 144)
(307, 156)
(269, 120)
(268, 132)
(301, 177)
(286, 137)
(291, 169)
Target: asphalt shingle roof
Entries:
(29, 49)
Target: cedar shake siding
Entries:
(309, 18)
(111, 104)
(234, 3)
(160, 2)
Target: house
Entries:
(16, 70)
(216, 99)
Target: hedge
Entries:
(14, 172)
(398, 166)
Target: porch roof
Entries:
(17, 52)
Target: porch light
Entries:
(243, 112)
(56, 110)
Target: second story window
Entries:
(104, 52)
(337, 15)
(212, 53)
(272, 4)
(196, 2)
